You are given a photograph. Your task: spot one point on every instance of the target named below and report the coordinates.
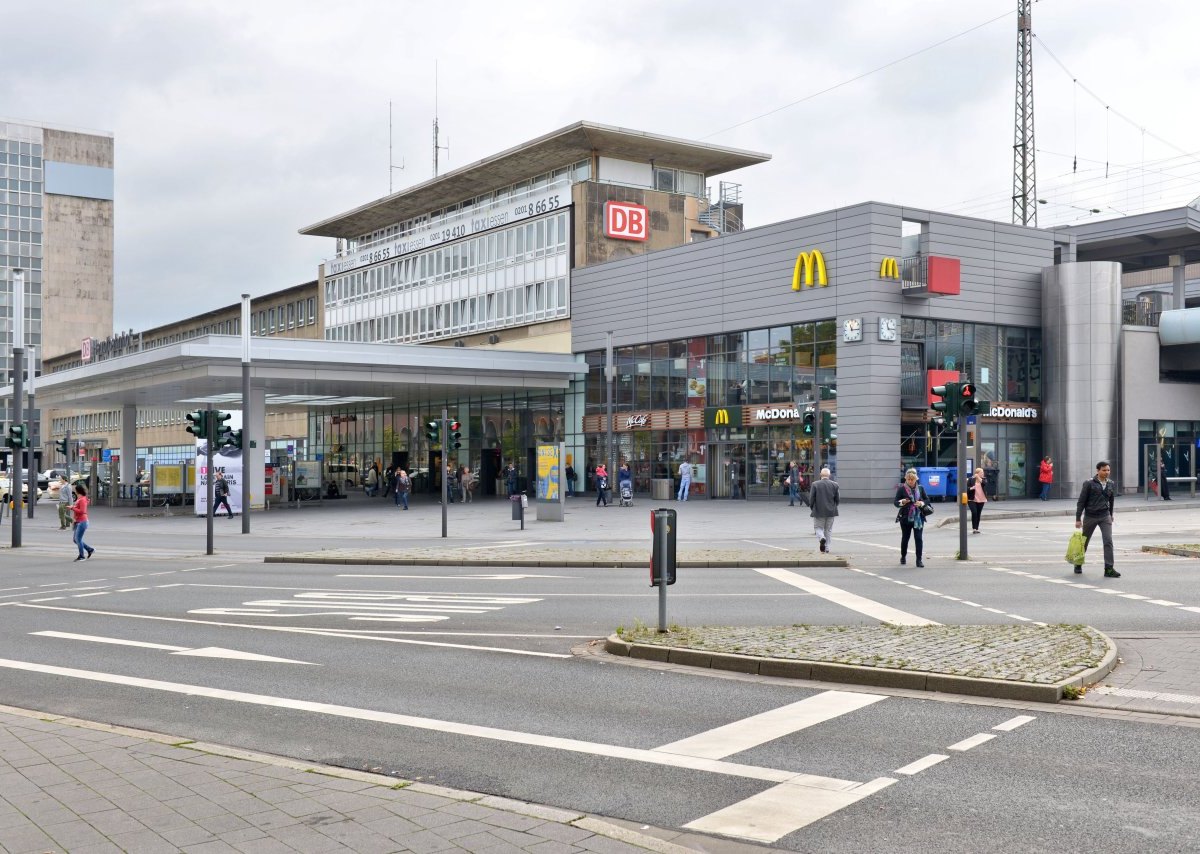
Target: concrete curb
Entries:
(619, 563)
(851, 674)
(1167, 550)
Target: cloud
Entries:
(238, 124)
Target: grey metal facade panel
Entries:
(743, 281)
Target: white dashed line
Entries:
(921, 764)
(85, 595)
(130, 589)
(1010, 725)
(973, 741)
(48, 599)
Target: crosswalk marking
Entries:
(783, 809)
(868, 607)
(759, 729)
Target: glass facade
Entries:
(494, 430)
(659, 385)
(1005, 363)
(21, 219)
(508, 277)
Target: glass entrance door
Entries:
(724, 459)
(1018, 482)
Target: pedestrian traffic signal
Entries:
(17, 437)
(947, 407)
(198, 424)
(810, 418)
(61, 445)
(967, 404)
(433, 432)
(455, 434)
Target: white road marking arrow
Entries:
(202, 652)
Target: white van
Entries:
(345, 475)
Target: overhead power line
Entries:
(858, 77)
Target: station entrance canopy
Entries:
(299, 373)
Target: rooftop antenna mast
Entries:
(437, 147)
(1024, 198)
(392, 167)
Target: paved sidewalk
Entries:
(1159, 673)
(86, 788)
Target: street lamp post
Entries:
(18, 400)
(610, 376)
(247, 445)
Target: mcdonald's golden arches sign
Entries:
(889, 269)
(723, 416)
(809, 270)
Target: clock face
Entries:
(887, 329)
(852, 329)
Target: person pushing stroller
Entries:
(625, 485)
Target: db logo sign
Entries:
(624, 221)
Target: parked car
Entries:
(6, 490)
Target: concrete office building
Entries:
(478, 258)
(56, 224)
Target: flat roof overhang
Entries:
(1141, 241)
(299, 373)
(552, 151)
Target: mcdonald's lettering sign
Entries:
(809, 266)
(723, 416)
(889, 269)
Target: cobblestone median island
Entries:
(1042, 655)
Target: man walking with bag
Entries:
(1095, 509)
(823, 497)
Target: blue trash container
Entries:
(935, 479)
(952, 484)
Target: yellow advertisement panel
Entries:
(549, 472)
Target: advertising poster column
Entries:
(550, 494)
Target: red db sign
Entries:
(624, 221)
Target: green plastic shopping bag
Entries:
(1075, 553)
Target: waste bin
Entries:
(935, 479)
(660, 488)
(517, 502)
(952, 485)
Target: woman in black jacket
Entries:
(911, 499)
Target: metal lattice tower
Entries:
(1024, 211)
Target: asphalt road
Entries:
(470, 677)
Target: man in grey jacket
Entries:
(823, 497)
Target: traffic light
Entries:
(967, 403)
(455, 434)
(234, 438)
(17, 437)
(828, 427)
(221, 431)
(433, 432)
(198, 424)
(947, 407)
(61, 445)
(810, 418)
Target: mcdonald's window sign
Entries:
(809, 270)
(889, 268)
(625, 221)
(723, 416)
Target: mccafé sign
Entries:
(809, 270)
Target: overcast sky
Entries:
(236, 124)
